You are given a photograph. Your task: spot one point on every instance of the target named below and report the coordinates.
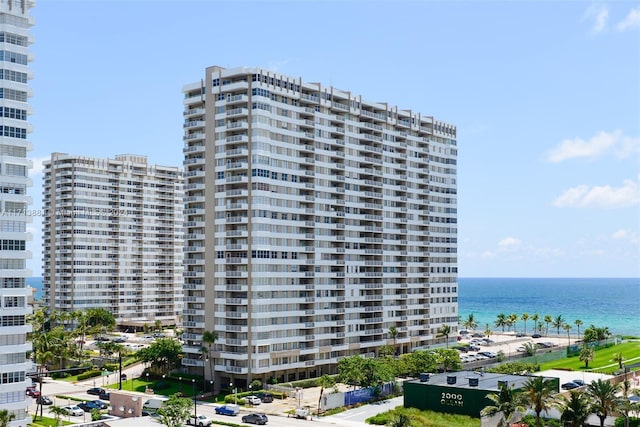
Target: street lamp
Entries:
(180, 378)
(235, 392)
(195, 408)
(211, 386)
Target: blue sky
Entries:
(545, 95)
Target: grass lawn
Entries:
(602, 359)
(47, 421)
(425, 418)
(165, 387)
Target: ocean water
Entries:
(614, 303)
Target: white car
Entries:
(200, 420)
(254, 400)
(73, 410)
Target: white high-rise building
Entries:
(15, 22)
(316, 223)
(113, 237)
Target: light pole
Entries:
(235, 392)
(195, 408)
(180, 378)
(211, 386)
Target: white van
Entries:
(154, 403)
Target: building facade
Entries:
(113, 237)
(318, 225)
(15, 22)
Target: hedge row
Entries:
(89, 374)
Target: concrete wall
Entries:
(126, 405)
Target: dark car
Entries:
(254, 418)
(97, 391)
(536, 336)
(44, 400)
(123, 377)
(88, 406)
(265, 397)
(100, 404)
(569, 386)
(105, 395)
(477, 335)
(579, 382)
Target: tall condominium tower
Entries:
(113, 237)
(15, 22)
(319, 225)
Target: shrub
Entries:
(89, 374)
(547, 422)
(633, 422)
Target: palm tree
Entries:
(59, 412)
(618, 358)
(444, 331)
(525, 317)
(578, 323)
(586, 355)
(6, 417)
(324, 381)
(393, 333)
(209, 338)
(512, 320)
(558, 322)
(574, 410)
(470, 323)
(400, 420)
(567, 327)
(506, 402)
(535, 319)
(603, 395)
(487, 330)
(501, 321)
(547, 319)
(538, 395)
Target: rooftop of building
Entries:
(473, 380)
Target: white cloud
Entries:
(509, 243)
(630, 21)
(584, 196)
(598, 13)
(593, 147)
(630, 236)
(276, 66)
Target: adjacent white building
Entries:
(15, 38)
(113, 237)
(316, 222)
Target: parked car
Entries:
(88, 406)
(474, 348)
(44, 400)
(569, 386)
(105, 395)
(31, 391)
(489, 354)
(536, 336)
(100, 404)
(120, 339)
(477, 335)
(97, 391)
(254, 400)
(265, 397)
(231, 410)
(73, 410)
(254, 418)
(199, 420)
(123, 377)
(579, 382)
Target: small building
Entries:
(462, 393)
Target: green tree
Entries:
(444, 331)
(595, 334)
(470, 322)
(385, 351)
(535, 317)
(158, 325)
(586, 355)
(619, 359)
(567, 327)
(175, 411)
(6, 417)
(100, 318)
(547, 320)
(209, 338)
(578, 323)
(506, 402)
(393, 333)
(58, 412)
(324, 382)
(604, 398)
(525, 317)
(575, 410)
(163, 355)
(538, 394)
(530, 348)
(447, 359)
(557, 323)
(501, 321)
(511, 321)
(350, 370)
